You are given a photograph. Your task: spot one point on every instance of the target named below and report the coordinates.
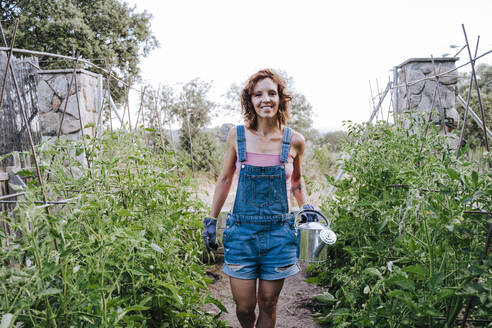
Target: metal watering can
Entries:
(312, 238)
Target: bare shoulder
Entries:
(297, 141)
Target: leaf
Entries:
(149, 130)
(401, 282)
(474, 177)
(25, 173)
(50, 291)
(174, 291)
(217, 303)
(137, 307)
(326, 298)
(432, 312)
(7, 320)
(453, 174)
(124, 212)
(156, 248)
(89, 125)
(373, 271)
(436, 280)
(417, 269)
(445, 293)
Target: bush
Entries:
(129, 243)
(205, 152)
(408, 255)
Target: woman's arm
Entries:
(297, 181)
(226, 175)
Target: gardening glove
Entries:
(210, 233)
(308, 217)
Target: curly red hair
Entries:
(248, 109)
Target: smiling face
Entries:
(265, 98)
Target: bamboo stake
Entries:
(85, 61)
(191, 142)
(127, 103)
(68, 97)
(390, 104)
(468, 96)
(31, 143)
(406, 88)
(474, 116)
(160, 128)
(80, 117)
(379, 94)
(441, 109)
(372, 97)
(142, 93)
(9, 58)
(109, 102)
(99, 116)
(429, 118)
(474, 75)
(12, 195)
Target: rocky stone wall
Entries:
(13, 132)
(418, 97)
(53, 94)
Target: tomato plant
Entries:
(408, 254)
(129, 242)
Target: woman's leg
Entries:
(268, 292)
(244, 292)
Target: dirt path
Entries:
(295, 303)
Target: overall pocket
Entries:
(291, 230)
(263, 190)
(229, 230)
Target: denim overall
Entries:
(259, 239)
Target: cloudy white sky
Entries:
(332, 49)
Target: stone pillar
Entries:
(13, 132)
(418, 97)
(53, 88)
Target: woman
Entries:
(259, 240)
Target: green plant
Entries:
(408, 255)
(129, 242)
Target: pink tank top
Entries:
(255, 159)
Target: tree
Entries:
(193, 110)
(109, 33)
(473, 134)
(301, 111)
(158, 106)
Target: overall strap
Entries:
(285, 145)
(241, 143)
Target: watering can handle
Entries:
(298, 215)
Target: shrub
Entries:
(129, 243)
(408, 255)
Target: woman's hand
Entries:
(308, 216)
(210, 233)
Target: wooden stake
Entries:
(9, 57)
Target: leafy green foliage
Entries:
(129, 242)
(407, 252)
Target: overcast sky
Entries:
(332, 49)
